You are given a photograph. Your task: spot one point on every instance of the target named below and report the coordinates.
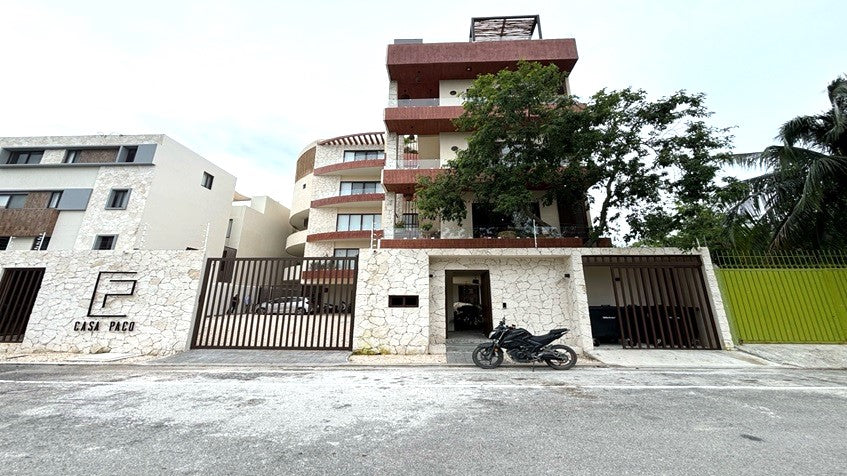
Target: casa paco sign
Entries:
(110, 285)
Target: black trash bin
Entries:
(604, 324)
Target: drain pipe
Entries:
(534, 234)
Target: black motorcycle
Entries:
(524, 347)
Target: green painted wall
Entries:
(786, 305)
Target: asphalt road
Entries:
(176, 420)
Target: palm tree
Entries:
(801, 199)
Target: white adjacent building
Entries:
(120, 192)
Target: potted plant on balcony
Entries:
(507, 234)
(426, 229)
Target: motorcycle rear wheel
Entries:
(567, 357)
(485, 356)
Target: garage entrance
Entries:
(277, 303)
(649, 302)
(18, 290)
(468, 303)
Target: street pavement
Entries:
(149, 419)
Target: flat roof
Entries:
(517, 27)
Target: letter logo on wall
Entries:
(110, 285)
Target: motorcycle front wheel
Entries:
(485, 356)
(566, 357)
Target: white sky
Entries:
(248, 84)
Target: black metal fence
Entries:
(18, 290)
(277, 303)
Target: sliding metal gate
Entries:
(18, 290)
(661, 301)
(276, 303)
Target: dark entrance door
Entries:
(468, 302)
(18, 290)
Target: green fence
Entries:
(786, 298)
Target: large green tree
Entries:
(799, 202)
(640, 157)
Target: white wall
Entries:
(261, 229)
(459, 86)
(179, 208)
(162, 306)
(449, 139)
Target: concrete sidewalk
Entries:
(807, 356)
(677, 358)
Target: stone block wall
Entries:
(161, 307)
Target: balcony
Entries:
(422, 116)
(344, 235)
(27, 221)
(349, 201)
(568, 236)
(295, 244)
(352, 168)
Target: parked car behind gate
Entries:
(284, 305)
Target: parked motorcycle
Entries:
(522, 346)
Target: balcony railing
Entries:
(530, 231)
(426, 102)
(415, 233)
(411, 161)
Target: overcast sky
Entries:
(248, 84)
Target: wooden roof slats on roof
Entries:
(520, 27)
(364, 138)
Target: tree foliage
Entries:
(800, 200)
(655, 160)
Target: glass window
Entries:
(345, 252)
(55, 197)
(355, 222)
(13, 201)
(367, 222)
(25, 157)
(72, 156)
(104, 242)
(207, 180)
(118, 199)
(354, 155)
(4, 200)
(346, 187)
(343, 223)
(4, 242)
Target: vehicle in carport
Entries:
(284, 305)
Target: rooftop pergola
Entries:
(520, 27)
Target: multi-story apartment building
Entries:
(337, 207)
(257, 228)
(353, 190)
(120, 192)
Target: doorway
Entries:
(468, 303)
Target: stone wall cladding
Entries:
(536, 292)
(124, 223)
(162, 308)
(389, 330)
(523, 278)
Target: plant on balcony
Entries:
(638, 157)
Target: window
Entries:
(118, 199)
(105, 242)
(345, 252)
(356, 155)
(55, 198)
(129, 155)
(229, 228)
(402, 301)
(25, 157)
(12, 200)
(358, 188)
(207, 180)
(40, 243)
(72, 156)
(359, 222)
(4, 242)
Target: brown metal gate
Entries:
(276, 303)
(18, 290)
(661, 301)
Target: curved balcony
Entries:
(343, 235)
(357, 168)
(295, 244)
(302, 201)
(349, 201)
